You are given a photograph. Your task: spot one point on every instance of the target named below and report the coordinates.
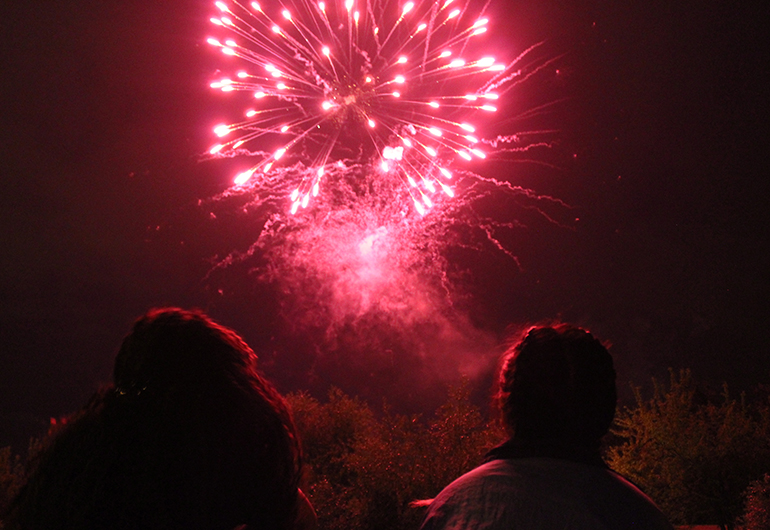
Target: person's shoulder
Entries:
(495, 472)
(611, 498)
(534, 490)
(481, 498)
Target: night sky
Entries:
(661, 153)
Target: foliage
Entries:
(693, 455)
(365, 470)
(11, 477)
(757, 515)
(14, 469)
(330, 433)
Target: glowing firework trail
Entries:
(344, 80)
(381, 105)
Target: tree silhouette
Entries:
(694, 455)
(757, 516)
(365, 470)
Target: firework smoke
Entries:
(373, 286)
(365, 271)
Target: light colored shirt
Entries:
(542, 493)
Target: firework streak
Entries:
(337, 81)
(367, 119)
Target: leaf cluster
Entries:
(694, 454)
(757, 515)
(365, 470)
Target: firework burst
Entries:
(389, 83)
(366, 115)
(367, 118)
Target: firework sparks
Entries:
(362, 251)
(371, 113)
(366, 81)
(375, 104)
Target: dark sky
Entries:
(106, 110)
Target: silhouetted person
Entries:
(557, 398)
(190, 436)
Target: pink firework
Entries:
(378, 81)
